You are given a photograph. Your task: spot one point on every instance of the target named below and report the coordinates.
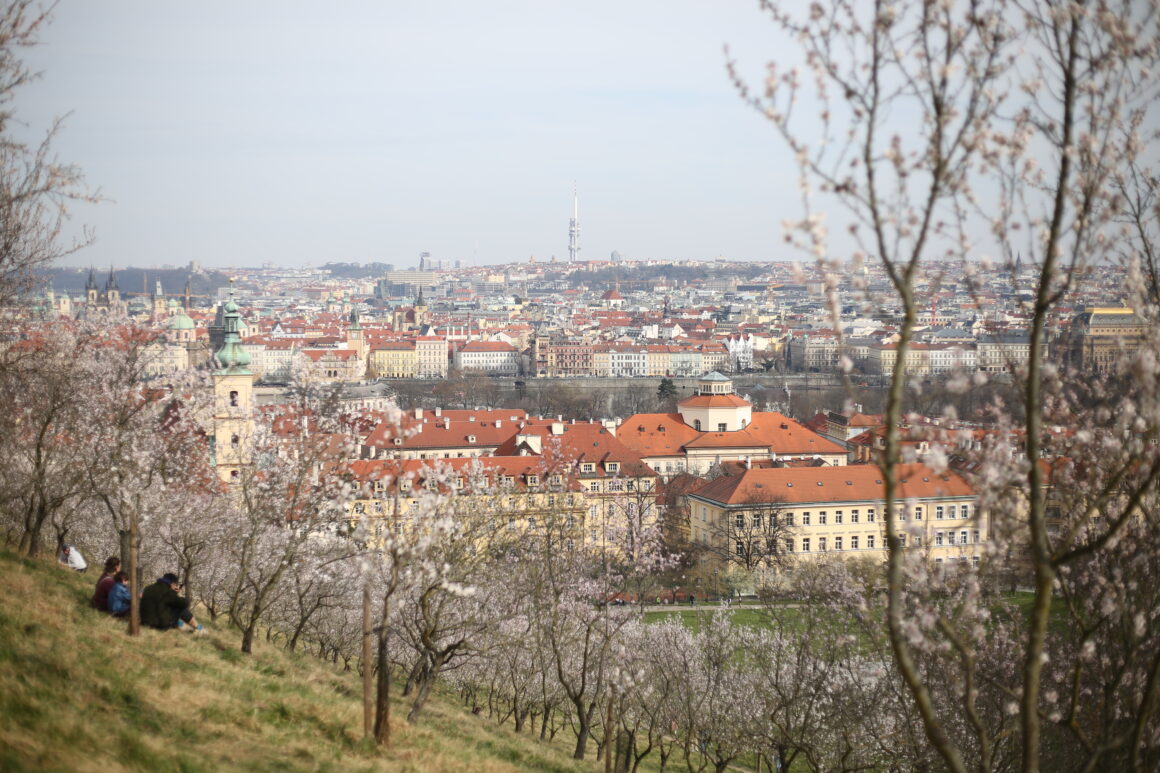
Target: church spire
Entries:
(232, 356)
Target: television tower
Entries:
(574, 228)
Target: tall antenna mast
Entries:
(574, 228)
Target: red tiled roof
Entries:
(582, 442)
(859, 483)
(340, 354)
(518, 468)
(487, 346)
(779, 434)
(818, 422)
(656, 434)
(714, 401)
(767, 433)
(454, 429)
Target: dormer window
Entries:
(533, 480)
(398, 441)
(471, 438)
(587, 467)
(612, 466)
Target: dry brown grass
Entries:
(78, 694)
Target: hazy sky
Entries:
(237, 133)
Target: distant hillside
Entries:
(134, 281)
(76, 693)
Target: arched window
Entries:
(234, 399)
(234, 441)
(697, 424)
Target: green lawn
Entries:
(746, 615)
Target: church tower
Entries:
(233, 386)
(421, 315)
(91, 292)
(354, 335)
(112, 293)
(158, 300)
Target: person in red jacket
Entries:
(100, 598)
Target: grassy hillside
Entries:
(77, 694)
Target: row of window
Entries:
(942, 512)
(839, 517)
(854, 543)
(721, 427)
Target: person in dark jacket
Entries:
(163, 607)
(119, 597)
(105, 584)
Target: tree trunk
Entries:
(124, 537)
(248, 639)
(134, 579)
(30, 539)
(607, 745)
(415, 676)
(422, 692)
(585, 719)
(383, 693)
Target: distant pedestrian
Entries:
(163, 607)
(100, 598)
(119, 598)
(72, 558)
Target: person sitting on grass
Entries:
(163, 607)
(72, 558)
(105, 584)
(119, 596)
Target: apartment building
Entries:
(841, 510)
(491, 357)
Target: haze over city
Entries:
(296, 134)
(753, 385)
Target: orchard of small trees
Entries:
(936, 133)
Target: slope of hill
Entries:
(78, 694)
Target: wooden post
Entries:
(609, 752)
(368, 683)
(134, 583)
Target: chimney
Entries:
(498, 423)
(748, 464)
(557, 428)
(438, 411)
